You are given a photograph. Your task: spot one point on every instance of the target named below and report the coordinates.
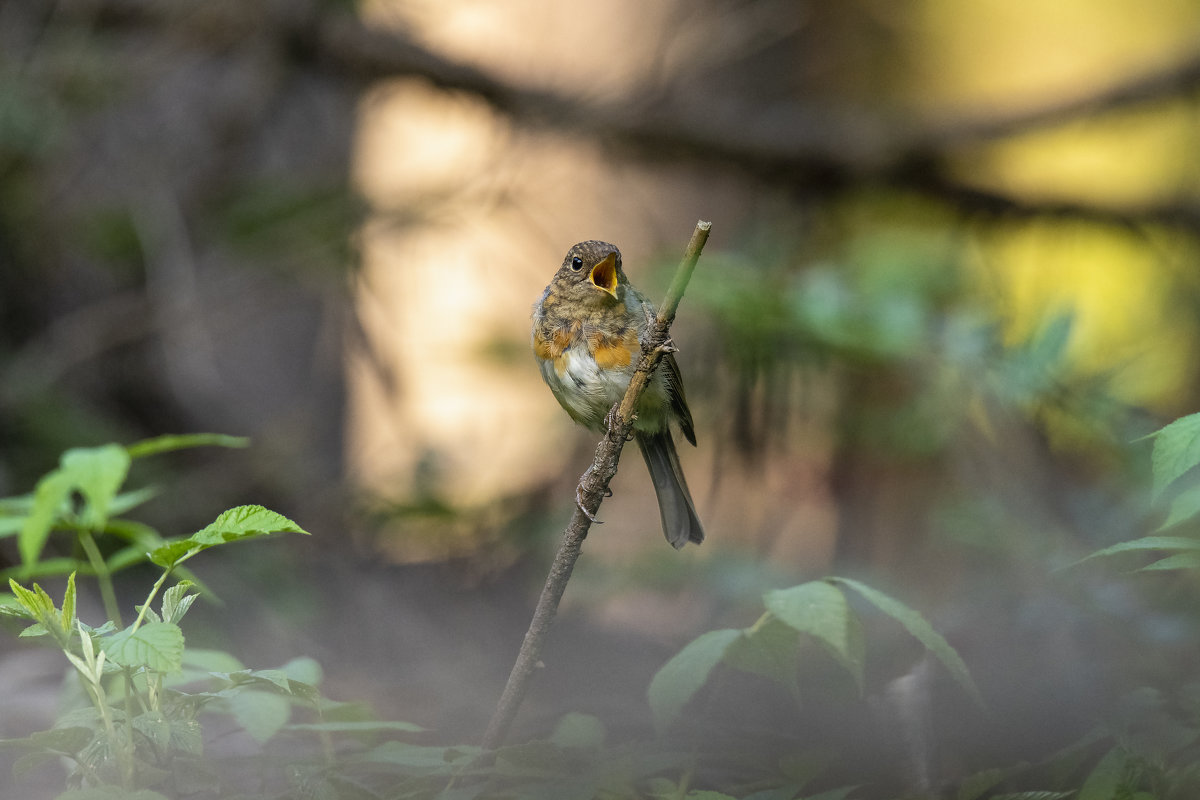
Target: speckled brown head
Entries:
(591, 274)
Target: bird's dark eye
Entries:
(577, 263)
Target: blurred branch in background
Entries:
(820, 148)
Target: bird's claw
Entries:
(668, 347)
(579, 502)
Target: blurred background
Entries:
(952, 280)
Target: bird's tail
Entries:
(679, 520)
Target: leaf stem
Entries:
(103, 577)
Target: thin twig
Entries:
(591, 491)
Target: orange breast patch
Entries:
(552, 346)
(612, 352)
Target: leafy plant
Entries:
(817, 610)
(83, 497)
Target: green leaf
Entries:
(771, 649)
(1189, 560)
(916, 625)
(819, 609)
(1105, 778)
(173, 552)
(156, 645)
(136, 532)
(243, 522)
(163, 444)
(833, 794)
(98, 473)
(1145, 543)
(200, 658)
(34, 600)
(579, 730)
(176, 601)
(52, 566)
(68, 604)
(1185, 506)
(128, 500)
(66, 740)
(48, 501)
(10, 526)
(685, 674)
(1176, 450)
(973, 786)
(304, 670)
(262, 714)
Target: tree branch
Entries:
(592, 488)
(821, 151)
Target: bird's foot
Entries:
(579, 500)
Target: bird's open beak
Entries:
(604, 274)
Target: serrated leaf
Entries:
(176, 601)
(156, 645)
(681, 677)
(35, 601)
(819, 609)
(243, 522)
(163, 444)
(173, 551)
(68, 604)
(1176, 450)
(916, 625)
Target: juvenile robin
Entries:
(587, 332)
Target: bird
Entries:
(588, 329)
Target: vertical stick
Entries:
(591, 491)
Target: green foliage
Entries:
(817, 611)
(149, 699)
(83, 498)
(141, 735)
